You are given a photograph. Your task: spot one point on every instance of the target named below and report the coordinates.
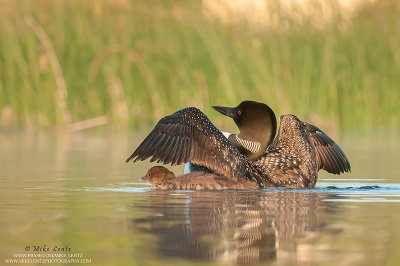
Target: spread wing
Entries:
(188, 135)
(330, 156)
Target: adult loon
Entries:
(293, 159)
(164, 179)
(257, 127)
(298, 152)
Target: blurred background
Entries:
(109, 70)
(72, 65)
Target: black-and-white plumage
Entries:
(251, 146)
(257, 125)
(298, 152)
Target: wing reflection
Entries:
(232, 227)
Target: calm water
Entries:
(77, 193)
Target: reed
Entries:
(132, 62)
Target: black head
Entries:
(256, 121)
(246, 111)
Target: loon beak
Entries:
(228, 111)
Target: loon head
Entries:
(256, 122)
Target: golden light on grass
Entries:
(281, 14)
(136, 61)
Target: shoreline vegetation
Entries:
(73, 65)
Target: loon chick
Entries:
(189, 136)
(257, 125)
(164, 179)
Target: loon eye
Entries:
(239, 112)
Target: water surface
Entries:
(77, 192)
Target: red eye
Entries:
(239, 112)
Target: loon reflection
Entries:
(234, 227)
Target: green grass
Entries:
(139, 61)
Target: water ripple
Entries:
(345, 191)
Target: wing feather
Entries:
(330, 156)
(171, 151)
(180, 155)
(188, 135)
